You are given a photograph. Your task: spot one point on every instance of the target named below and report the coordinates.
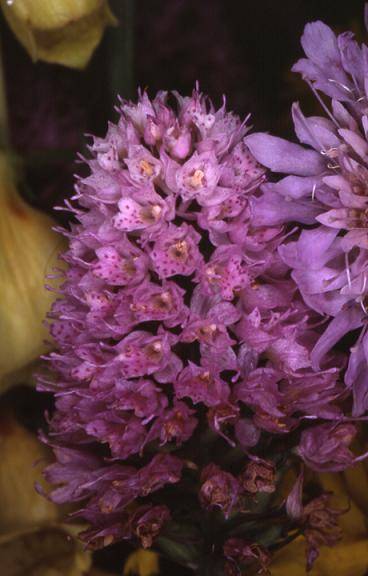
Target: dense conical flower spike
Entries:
(183, 356)
(327, 185)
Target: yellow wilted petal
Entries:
(59, 31)
(290, 560)
(49, 551)
(28, 251)
(21, 506)
(344, 559)
(49, 14)
(142, 563)
(356, 480)
(74, 45)
(353, 522)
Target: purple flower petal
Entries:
(282, 156)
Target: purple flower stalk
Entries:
(184, 350)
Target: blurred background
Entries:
(241, 48)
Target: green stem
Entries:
(285, 541)
(122, 51)
(4, 124)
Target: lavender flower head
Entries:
(326, 187)
(183, 359)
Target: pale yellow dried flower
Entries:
(22, 459)
(48, 551)
(59, 31)
(142, 563)
(28, 252)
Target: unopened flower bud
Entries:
(258, 476)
